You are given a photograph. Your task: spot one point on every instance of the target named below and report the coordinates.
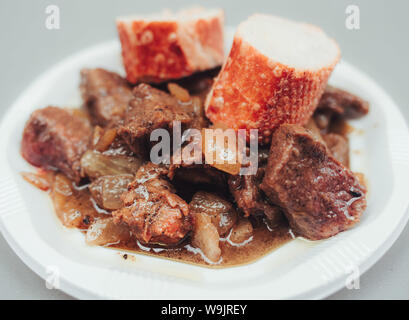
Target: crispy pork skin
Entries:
(106, 96)
(319, 195)
(56, 138)
(272, 77)
(167, 46)
(155, 214)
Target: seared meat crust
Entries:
(155, 214)
(321, 197)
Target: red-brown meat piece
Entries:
(155, 214)
(250, 200)
(106, 96)
(321, 197)
(343, 103)
(149, 110)
(55, 138)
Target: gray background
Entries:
(380, 48)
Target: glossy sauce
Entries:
(75, 208)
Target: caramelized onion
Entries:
(205, 237)
(106, 140)
(107, 190)
(36, 180)
(73, 207)
(241, 232)
(95, 164)
(178, 92)
(105, 232)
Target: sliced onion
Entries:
(95, 164)
(105, 232)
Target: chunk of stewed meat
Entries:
(106, 95)
(338, 146)
(56, 138)
(107, 190)
(343, 103)
(337, 104)
(149, 110)
(152, 210)
(250, 199)
(220, 211)
(321, 197)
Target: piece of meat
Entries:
(265, 82)
(250, 200)
(56, 138)
(342, 103)
(338, 146)
(152, 210)
(190, 176)
(149, 110)
(106, 95)
(156, 48)
(320, 196)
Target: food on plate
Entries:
(159, 47)
(105, 94)
(96, 162)
(152, 210)
(320, 196)
(150, 109)
(56, 138)
(338, 104)
(274, 77)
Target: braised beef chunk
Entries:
(106, 96)
(250, 200)
(56, 138)
(338, 104)
(150, 109)
(155, 214)
(321, 197)
(343, 103)
(338, 146)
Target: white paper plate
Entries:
(299, 269)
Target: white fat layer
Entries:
(297, 45)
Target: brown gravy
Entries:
(75, 208)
